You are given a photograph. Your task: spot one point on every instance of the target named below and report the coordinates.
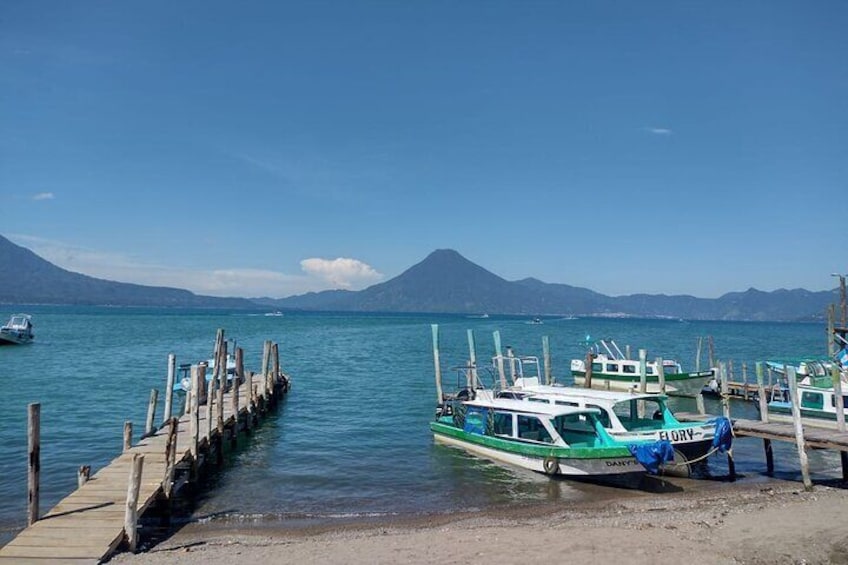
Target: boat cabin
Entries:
(539, 423)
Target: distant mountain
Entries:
(444, 282)
(447, 282)
(26, 278)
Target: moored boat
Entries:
(542, 437)
(17, 331)
(612, 370)
(817, 407)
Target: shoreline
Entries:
(774, 522)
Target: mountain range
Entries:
(444, 282)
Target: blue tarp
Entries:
(723, 437)
(652, 455)
(475, 420)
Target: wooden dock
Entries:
(97, 519)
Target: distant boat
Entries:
(276, 313)
(17, 331)
(535, 321)
(479, 316)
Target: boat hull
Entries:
(782, 412)
(14, 338)
(569, 462)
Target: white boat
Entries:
(17, 331)
(612, 370)
(626, 416)
(541, 437)
(276, 314)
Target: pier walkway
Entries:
(88, 525)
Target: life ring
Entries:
(551, 465)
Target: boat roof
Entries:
(512, 405)
(589, 393)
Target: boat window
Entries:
(612, 367)
(812, 400)
(651, 370)
(844, 401)
(603, 417)
(503, 424)
(569, 403)
(539, 399)
(531, 428)
(576, 430)
(629, 369)
(628, 413)
(597, 367)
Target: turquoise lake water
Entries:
(352, 439)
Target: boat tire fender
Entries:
(551, 465)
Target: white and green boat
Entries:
(817, 407)
(612, 370)
(542, 437)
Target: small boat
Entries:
(535, 321)
(276, 314)
(611, 370)
(546, 438)
(184, 383)
(818, 407)
(17, 331)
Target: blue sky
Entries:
(272, 148)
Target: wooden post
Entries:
(170, 456)
(761, 391)
(219, 401)
(831, 341)
(712, 351)
(660, 374)
(698, 355)
(627, 351)
(437, 365)
(275, 369)
(169, 387)
(843, 304)
(266, 362)
(131, 512)
(210, 401)
(237, 380)
(511, 357)
(643, 381)
(127, 435)
(248, 420)
(769, 456)
(799, 429)
(546, 356)
(198, 374)
(840, 415)
(499, 356)
(587, 379)
(83, 474)
(837, 396)
(34, 466)
(151, 411)
(745, 380)
(472, 357)
(699, 402)
(725, 398)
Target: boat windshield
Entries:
(577, 430)
(628, 413)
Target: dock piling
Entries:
(151, 412)
(34, 466)
(546, 357)
(131, 512)
(795, 399)
(127, 435)
(169, 387)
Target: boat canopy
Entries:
(608, 396)
(519, 406)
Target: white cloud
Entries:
(341, 272)
(44, 196)
(660, 131)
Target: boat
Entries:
(535, 321)
(183, 384)
(626, 416)
(17, 331)
(817, 407)
(612, 370)
(276, 314)
(547, 438)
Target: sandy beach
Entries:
(758, 523)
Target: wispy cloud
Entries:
(659, 131)
(44, 196)
(341, 272)
(125, 268)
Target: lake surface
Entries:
(351, 440)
